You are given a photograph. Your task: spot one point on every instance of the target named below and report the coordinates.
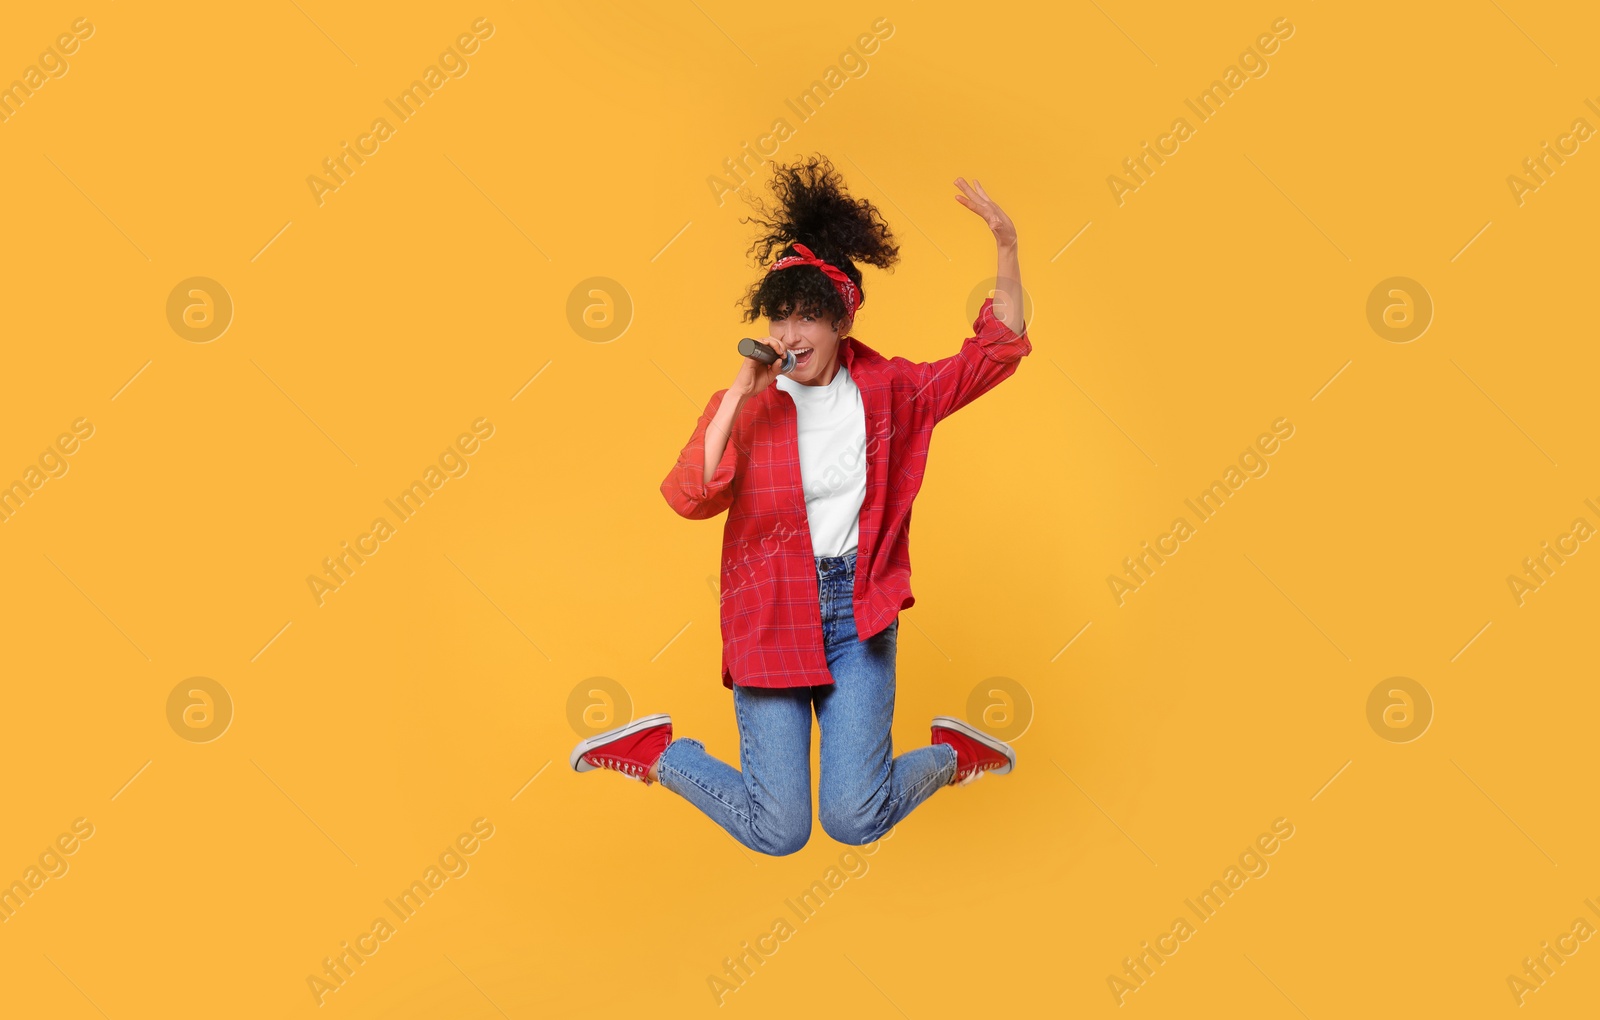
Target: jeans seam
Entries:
(660, 762)
(692, 781)
(750, 822)
(663, 767)
(936, 775)
(916, 791)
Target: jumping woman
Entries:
(817, 469)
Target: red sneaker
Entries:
(977, 753)
(630, 750)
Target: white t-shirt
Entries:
(833, 459)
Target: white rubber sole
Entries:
(590, 743)
(966, 730)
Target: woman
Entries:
(818, 469)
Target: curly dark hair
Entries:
(814, 210)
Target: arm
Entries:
(1008, 271)
(999, 339)
(986, 359)
(700, 484)
(721, 428)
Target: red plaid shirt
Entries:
(771, 617)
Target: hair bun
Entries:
(814, 209)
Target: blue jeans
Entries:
(864, 790)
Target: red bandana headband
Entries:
(848, 291)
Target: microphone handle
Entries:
(758, 351)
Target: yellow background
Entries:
(428, 290)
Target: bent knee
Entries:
(781, 837)
(855, 828)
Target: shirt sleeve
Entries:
(986, 358)
(685, 486)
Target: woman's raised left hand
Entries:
(975, 198)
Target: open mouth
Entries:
(802, 357)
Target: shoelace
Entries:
(974, 772)
(631, 769)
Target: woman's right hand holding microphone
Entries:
(753, 376)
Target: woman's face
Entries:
(815, 344)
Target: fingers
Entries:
(770, 373)
(974, 190)
(973, 199)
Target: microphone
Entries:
(758, 351)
